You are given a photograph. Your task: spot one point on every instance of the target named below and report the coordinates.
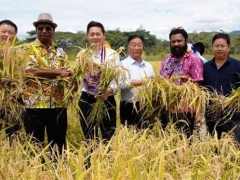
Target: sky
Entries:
(155, 16)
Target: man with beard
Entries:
(188, 66)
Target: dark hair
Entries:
(94, 23)
(9, 23)
(179, 31)
(221, 36)
(134, 37)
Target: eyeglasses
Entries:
(174, 28)
(219, 47)
(47, 28)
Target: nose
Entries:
(175, 43)
(44, 30)
(95, 36)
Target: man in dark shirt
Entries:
(221, 75)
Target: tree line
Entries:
(71, 42)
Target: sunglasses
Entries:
(174, 28)
(47, 28)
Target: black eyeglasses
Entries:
(174, 28)
(47, 28)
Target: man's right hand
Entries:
(66, 73)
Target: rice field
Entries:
(131, 154)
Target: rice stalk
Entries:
(111, 72)
(83, 63)
(161, 165)
(146, 154)
(159, 95)
(12, 74)
(221, 108)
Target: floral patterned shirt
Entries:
(190, 66)
(43, 92)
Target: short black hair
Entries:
(221, 36)
(179, 31)
(134, 36)
(94, 23)
(9, 23)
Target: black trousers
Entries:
(184, 121)
(131, 116)
(107, 125)
(12, 127)
(226, 124)
(55, 122)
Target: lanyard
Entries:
(102, 54)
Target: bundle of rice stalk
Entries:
(190, 96)
(233, 99)
(162, 94)
(223, 107)
(83, 63)
(149, 96)
(111, 72)
(12, 74)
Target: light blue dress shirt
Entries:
(134, 71)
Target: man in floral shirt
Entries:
(46, 68)
(188, 66)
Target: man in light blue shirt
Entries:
(137, 70)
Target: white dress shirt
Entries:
(135, 71)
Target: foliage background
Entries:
(155, 49)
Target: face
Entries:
(135, 48)
(95, 36)
(45, 33)
(178, 45)
(220, 48)
(7, 33)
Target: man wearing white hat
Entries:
(47, 66)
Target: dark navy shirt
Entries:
(224, 79)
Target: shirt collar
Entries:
(38, 43)
(228, 60)
(132, 61)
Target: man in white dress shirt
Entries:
(137, 70)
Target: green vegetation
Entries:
(155, 49)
